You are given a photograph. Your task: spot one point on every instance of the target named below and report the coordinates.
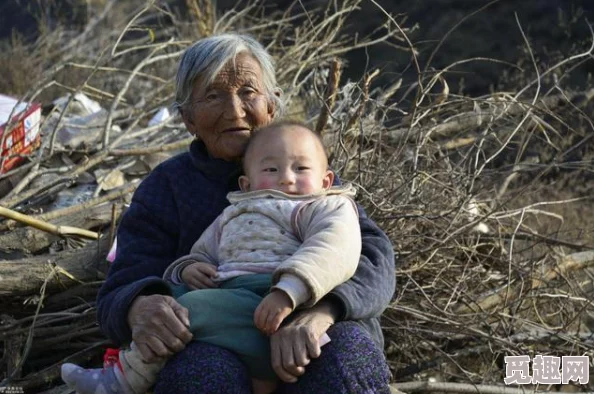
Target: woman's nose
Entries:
(234, 107)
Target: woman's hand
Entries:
(296, 343)
(159, 326)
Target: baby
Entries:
(287, 239)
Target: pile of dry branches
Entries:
(487, 266)
(482, 198)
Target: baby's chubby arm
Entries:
(329, 253)
(327, 257)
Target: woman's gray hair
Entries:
(206, 58)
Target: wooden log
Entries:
(32, 383)
(572, 262)
(31, 240)
(448, 387)
(84, 294)
(60, 271)
(65, 231)
(49, 216)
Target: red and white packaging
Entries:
(21, 135)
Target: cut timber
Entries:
(35, 381)
(447, 387)
(568, 263)
(31, 240)
(45, 226)
(62, 270)
(572, 262)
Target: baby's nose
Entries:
(287, 177)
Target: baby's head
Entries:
(288, 157)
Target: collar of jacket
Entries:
(216, 169)
(347, 190)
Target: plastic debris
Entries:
(161, 116)
(80, 105)
(21, 136)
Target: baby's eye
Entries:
(269, 169)
(303, 168)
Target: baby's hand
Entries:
(271, 312)
(199, 276)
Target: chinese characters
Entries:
(547, 369)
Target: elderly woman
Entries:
(226, 88)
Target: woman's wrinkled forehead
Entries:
(230, 68)
(241, 69)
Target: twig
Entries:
(112, 226)
(29, 341)
(364, 99)
(50, 374)
(147, 61)
(452, 29)
(89, 27)
(203, 15)
(153, 149)
(330, 96)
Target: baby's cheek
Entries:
(308, 186)
(264, 184)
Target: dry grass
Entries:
(487, 199)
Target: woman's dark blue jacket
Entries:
(175, 204)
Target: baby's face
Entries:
(291, 161)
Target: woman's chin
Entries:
(232, 149)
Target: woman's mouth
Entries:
(237, 130)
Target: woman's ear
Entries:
(271, 110)
(328, 180)
(272, 103)
(244, 183)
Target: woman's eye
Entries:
(248, 92)
(211, 95)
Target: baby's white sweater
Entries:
(310, 244)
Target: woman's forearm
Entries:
(331, 306)
(370, 290)
(113, 305)
(145, 248)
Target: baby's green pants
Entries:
(225, 317)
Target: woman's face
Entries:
(224, 113)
